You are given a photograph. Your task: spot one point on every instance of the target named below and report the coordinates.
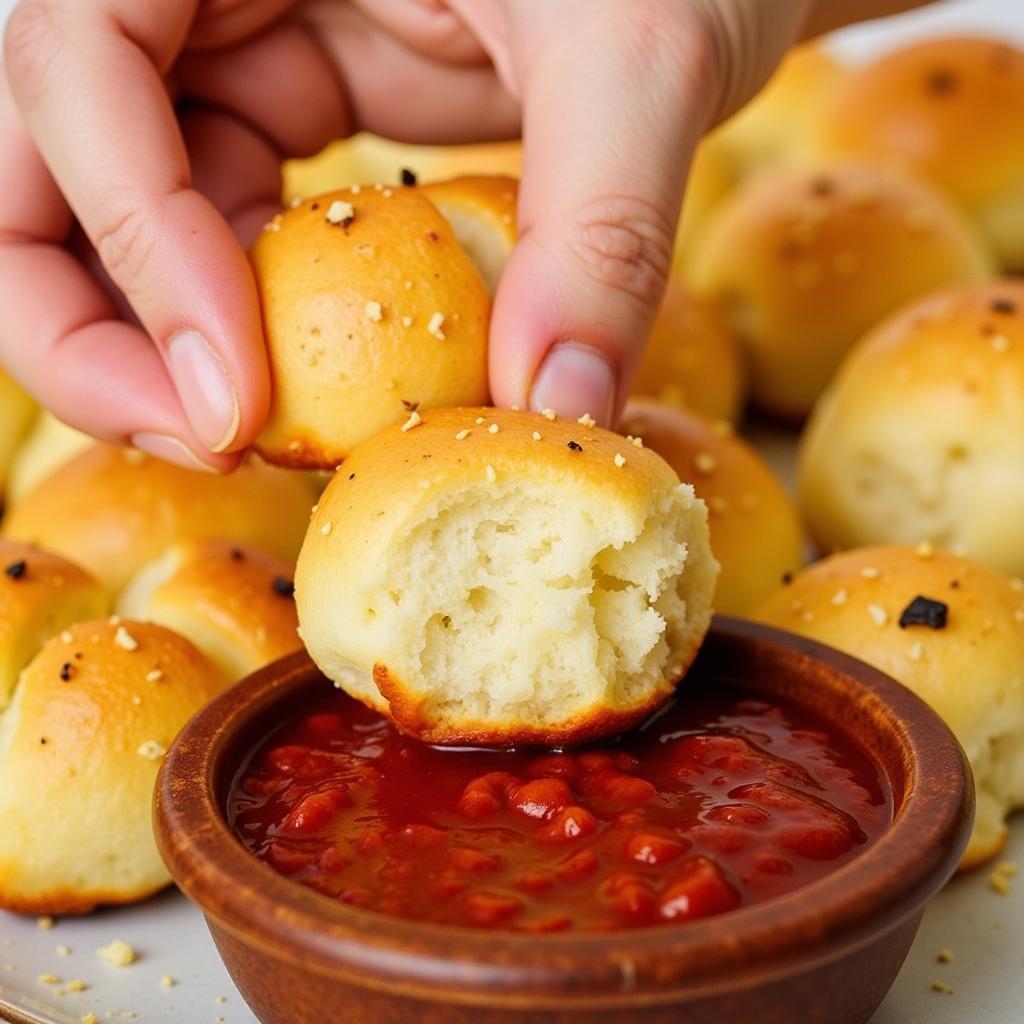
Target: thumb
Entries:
(615, 98)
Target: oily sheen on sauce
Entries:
(722, 799)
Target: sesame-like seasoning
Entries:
(435, 326)
(374, 312)
(491, 475)
(479, 421)
(407, 321)
(1000, 343)
(840, 597)
(705, 463)
(283, 586)
(154, 675)
(925, 611)
(325, 529)
(67, 636)
(620, 459)
(924, 549)
(573, 446)
(340, 213)
(916, 652)
(16, 570)
(414, 420)
(548, 414)
(586, 420)
(493, 428)
(407, 285)
(407, 176)
(125, 640)
(637, 442)
(462, 435)
(536, 435)
(387, 193)
(879, 616)
(151, 750)
(869, 572)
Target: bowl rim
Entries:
(872, 893)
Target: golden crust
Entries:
(48, 445)
(363, 317)
(755, 531)
(810, 281)
(114, 510)
(971, 671)
(79, 751)
(919, 435)
(692, 360)
(233, 601)
(40, 594)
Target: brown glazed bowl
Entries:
(824, 954)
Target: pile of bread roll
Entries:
(498, 576)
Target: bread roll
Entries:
(804, 260)
(496, 577)
(371, 307)
(79, 751)
(17, 411)
(40, 594)
(921, 435)
(369, 158)
(233, 601)
(775, 127)
(113, 510)
(950, 107)
(755, 532)
(691, 360)
(48, 444)
(961, 650)
(709, 180)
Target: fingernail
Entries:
(573, 380)
(206, 393)
(170, 449)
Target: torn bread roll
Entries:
(371, 307)
(40, 595)
(792, 258)
(950, 108)
(17, 410)
(921, 434)
(233, 601)
(494, 577)
(691, 359)
(755, 531)
(113, 510)
(949, 629)
(80, 746)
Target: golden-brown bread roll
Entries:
(755, 531)
(40, 594)
(961, 649)
(921, 435)
(371, 307)
(775, 126)
(17, 411)
(803, 260)
(482, 213)
(82, 741)
(709, 180)
(489, 576)
(369, 158)
(113, 510)
(691, 359)
(48, 444)
(949, 107)
(233, 601)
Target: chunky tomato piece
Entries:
(315, 811)
(698, 891)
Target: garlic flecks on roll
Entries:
(490, 576)
(952, 631)
(80, 745)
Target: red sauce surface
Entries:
(719, 801)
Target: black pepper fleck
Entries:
(925, 611)
(408, 176)
(283, 586)
(237, 555)
(410, 406)
(574, 447)
(351, 476)
(315, 206)
(955, 584)
(941, 82)
(67, 670)
(16, 570)
(787, 578)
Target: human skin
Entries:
(140, 151)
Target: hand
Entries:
(141, 140)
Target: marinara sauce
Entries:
(719, 801)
